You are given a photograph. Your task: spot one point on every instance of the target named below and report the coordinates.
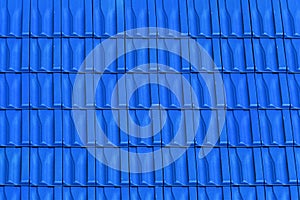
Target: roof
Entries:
(255, 47)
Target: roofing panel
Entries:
(70, 135)
(74, 51)
(13, 132)
(11, 59)
(254, 46)
(266, 18)
(14, 192)
(76, 161)
(155, 178)
(182, 171)
(214, 168)
(45, 54)
(237, 55)
(238, 94)
(293, 83)
(213, 192)
(275, 126)
(213, 48)
(208, 117)
(45, 90)
(234, 18)
(77, 18)
(106, 176)
(248, 193)
(139, 14)
(279, 165)
(46, 193)
(273, 90)
(8, 136)
(290, 16)
(292, 54)
(15, 158)
(45, 18)
(46, 127)
(16, 90)
(110, 127)
(167, 17)
(269, 55)
(78, 100)
(45, 166)
(108, 18)
(278, 192)
(247, 165)
(203, 18)
(243, 128)
(112, 192)
(295, 125)
(15, 18)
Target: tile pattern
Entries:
(254, 44)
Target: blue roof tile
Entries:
(278, 192)
(275, 126)
(214, 168)
(273, 90)
(106, 176)
(15, 158)
(14, 192)
(45, 90)
(16, 90)
(45, 166)
(74, 51)
(13, 132)
(237, 93)
(266, 18)
(234, 18)
(75, 161)
(269, 55)
(108, 19)
(247, 164)
(106, 193)
(15, 17)
(145, 179)
(279, 165)
(255, 47)
(45, 54)
(45, 18)
(246, 192)
(77, 18)
(242, 128)
(237, 55)
(46, 127)
(292, 54)
(11, 59)
(203, 18)
(295, 125)
(290, 16)
(293, 83)
(45, 193)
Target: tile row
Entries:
(81, 18)
(229, 55)
(221, 167)
(135, 193)
(56, 91)
(242, 128)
